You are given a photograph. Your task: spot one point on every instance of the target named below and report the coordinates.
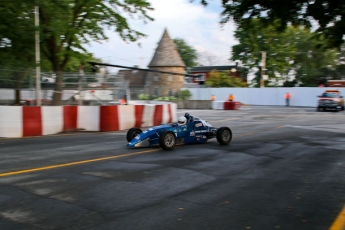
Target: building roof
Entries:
(219, 68)
(166, 54)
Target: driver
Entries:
(188, 117)
(182, 120)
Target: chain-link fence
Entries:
(19, 87)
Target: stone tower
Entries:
(166, 58)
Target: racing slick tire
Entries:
(167, 140)
(133, 132)
(342, 108)
(224, 135)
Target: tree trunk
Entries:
(17, 94)
(57, 96)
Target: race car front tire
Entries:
(224, 135)
(133, 132)
(167, 140)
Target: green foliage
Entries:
(184, 94)
(290, 52)
(188, 53)
(144, 96)
(223, 79)
(171, 98)
(327, 13)
(65, 27)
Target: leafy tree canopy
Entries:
(187, 52)
(66, 26)
(223, 79)
(328, 15)
(291, 54)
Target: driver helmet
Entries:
(182, 120)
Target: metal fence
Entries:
(79, 89)
(86, 89)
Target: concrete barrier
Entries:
(23, 121)
(226, 105)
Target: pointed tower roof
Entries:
(166, 54)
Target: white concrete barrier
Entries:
(88, 118)
(10, 121)
(52, 119)
(218, 105)
(22, 121)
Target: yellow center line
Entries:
(101, 159)
(73, 163)
(339, 222)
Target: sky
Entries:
(197, 25)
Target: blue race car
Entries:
(188, 130)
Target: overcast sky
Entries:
(197, 25)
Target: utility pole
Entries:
(80, 87)
(263, 68)
(38, 68)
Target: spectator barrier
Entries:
(24, 121)
(226, 105)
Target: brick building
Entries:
(336, 83)
(204, 71)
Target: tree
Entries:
(184, 94)
(328, 14)
(65, 26)
(223, 79)
(16, 46)
(187, 53)
(291, 54)
(257, 39)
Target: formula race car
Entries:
(188, 130)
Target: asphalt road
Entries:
(284, 169)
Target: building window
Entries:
(171, 92)
(155, 78)
(201, 78)
(169, 78)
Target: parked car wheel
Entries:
(224, 135)
(167, 140)
(133, 132)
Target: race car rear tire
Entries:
(133, 132)
(167, 140)
(224, 135)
